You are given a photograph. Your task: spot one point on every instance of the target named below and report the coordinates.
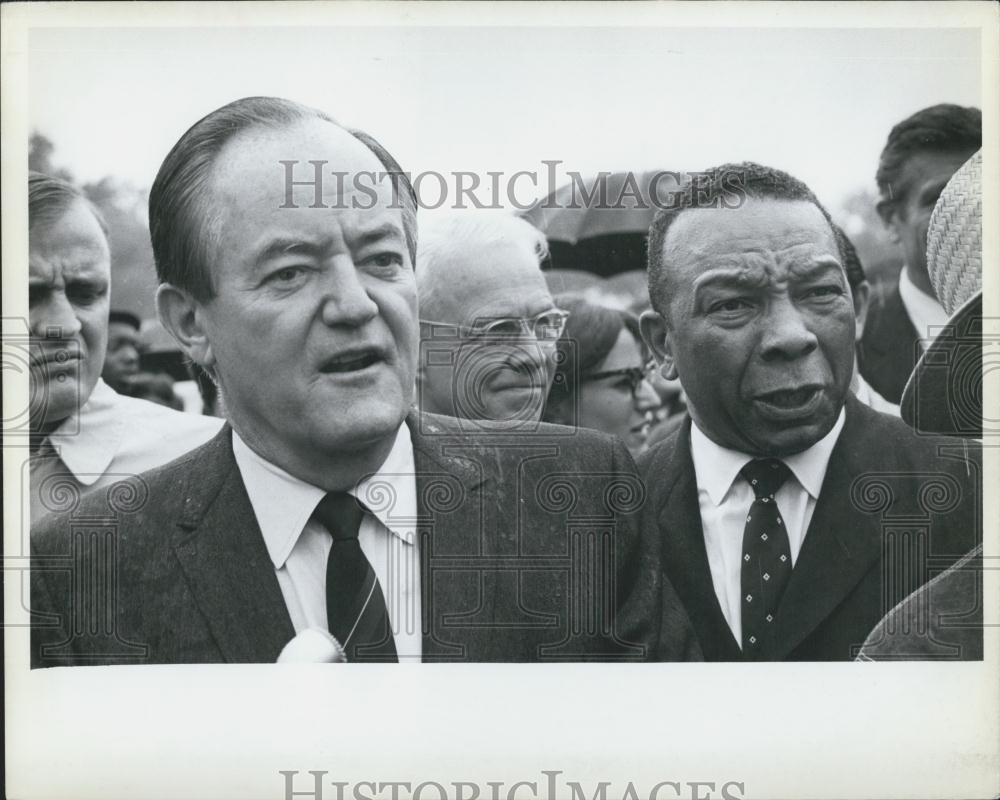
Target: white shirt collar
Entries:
(283, 503)
(924, 311)
(88, 440)
(716, 467)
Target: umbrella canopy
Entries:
(600, 225)
(606, 204)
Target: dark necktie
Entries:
(355, 605)
(767, 558)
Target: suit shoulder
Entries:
(131, 501)
(887, 442)
(512, 442)
(659, 453)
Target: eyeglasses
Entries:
(634, 375)
(546, 327)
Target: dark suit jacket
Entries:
(529, 550)
(893, 510)
(889, 347)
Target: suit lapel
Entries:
(840, 546)
(451, 495)
(684, 555)
(889, 347)
(221, 550)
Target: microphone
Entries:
(313, 646)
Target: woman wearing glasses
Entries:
(600, 374)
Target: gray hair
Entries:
(469, 232)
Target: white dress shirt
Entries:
(299, 546)
(113, 437)
(924, 311)
(724, 499)
(867, 395)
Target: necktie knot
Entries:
(765, 476)
(341, 514)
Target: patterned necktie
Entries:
(355, 606)
(767, 558)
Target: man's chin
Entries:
(515, 405)
(793, 439)
(54, 401)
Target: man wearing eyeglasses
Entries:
(328, 513)
(488, 322)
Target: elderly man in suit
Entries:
(921, 154)
(488, 321)
(286, 267)
(791, 513)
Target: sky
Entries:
(817, 103)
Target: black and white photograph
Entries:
(501, 401)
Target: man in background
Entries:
(488, 321)
(84, 433)
(121, 363)
(920, 156)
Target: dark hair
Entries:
(591, 333)
(126, 318)
(942, 128)
(49, 198)
(179, 223)
(852, 264)
(726, 186)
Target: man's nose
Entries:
(57, 318)
(646, 398)
(786, 333)
(345, 298)
(130, 354)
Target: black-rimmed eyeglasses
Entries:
(634, 375)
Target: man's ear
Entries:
(889, 213)
(861, 294)
(656, 334)
(183, 317)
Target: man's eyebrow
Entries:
(281, 246)
(386, 230)
(819, 266)
(728, 277)
(933, 189)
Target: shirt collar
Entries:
(924, 311)
(283, 503)
(88, 440)
(717, 467)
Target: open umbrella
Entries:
(600, 224)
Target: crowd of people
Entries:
(416, 445)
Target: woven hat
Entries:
(945, 392)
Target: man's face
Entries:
(121, 363)
(69, 279)
(759, 324)
(489, 377)
(313, 331)
(922, 178)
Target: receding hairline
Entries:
(211, 207)
(661, 262)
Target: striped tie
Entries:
(355, 606)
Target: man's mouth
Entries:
(352, 361)
(55, 359)
(790, 403)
